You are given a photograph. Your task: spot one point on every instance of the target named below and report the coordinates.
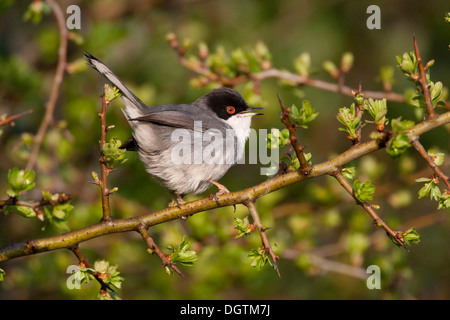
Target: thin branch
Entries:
(83, 260)
(167, 262)
(14, 117)
(51, 104)
(376, 218)
(261, 229)
(424, 154)
(62, 198)
(102, 228)
(359, 112)
(105, 170)
(293, 137)
(296, 79)
(423, 82)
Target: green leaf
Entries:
(363, 191)
(436, 92)
(112, 153)
(259, 258)
(83, 274)
(430, 188)
(277, 139)
(444, 201)
(243, 226)
(46, 195)
(398, 145)
(20, 181)
(304, 115)
(438, 157)
(24, 211)
(351, 121)
(183, 255)
(349, 172)
(111, 93)
(411, 236)
(109, 274)
(407, 63)
(377, 109)
(2, 274)
(398, 125)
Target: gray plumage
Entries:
(165, 151)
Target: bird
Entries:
(186, 147)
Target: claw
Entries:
(222, 190)
(180, 200)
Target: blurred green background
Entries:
(324, 241)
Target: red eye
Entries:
(231, 109)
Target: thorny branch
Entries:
(424, 83)
(102, 228)
(12, 118)
(424, 154)
(167, 262)
(105, 170)
(246, 197)
(271, 72)
(293, 138)
(261, 229)
(370, 210)
(85, 262)
(35, 205)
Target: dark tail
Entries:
(108, 74)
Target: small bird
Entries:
(186, 147)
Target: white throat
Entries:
(241, 127)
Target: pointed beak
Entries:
(250, 112)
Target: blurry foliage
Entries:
(311, 217)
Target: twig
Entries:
(296, 79)
(102, 228)
(424, 154)
(105, 170)
(83, 260)
(423, 82)
(62, 198)
(11, 119)
(376, 218)
(359, 111)
(51, 104)
(293, 138)
(167, 262)
(261, 229)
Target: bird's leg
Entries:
(180, 200)
(222, 188)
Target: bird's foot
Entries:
(222, 190)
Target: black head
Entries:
(226, 102)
